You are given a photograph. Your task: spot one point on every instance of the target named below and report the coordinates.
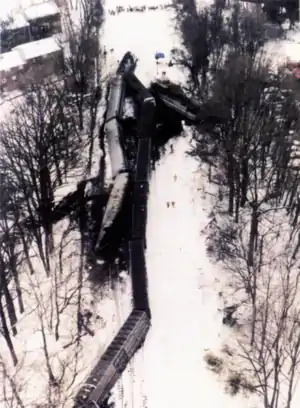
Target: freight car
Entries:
(119, 165)
(173, 97)
(135, 87)
(121, 171)
(108, 370)
(121, 177)
(139, 210)
(146, 131)
(143, 160)
(114, 206)
(127, 64)
(147, 116)
(138, 272)
(117, 157)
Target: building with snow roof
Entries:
(14, 31)
(44, 20)
(43, 57)
(11, 70)
(30, 62)
(32, 23)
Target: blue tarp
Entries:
(159, 55)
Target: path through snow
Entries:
(170, 371)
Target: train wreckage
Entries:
(130, 185)
(148, 102)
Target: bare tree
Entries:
(251, 140)
(239, 100)
(40, 144)
(10, 388)
(274, 356)
(270, 286)
(83, 66)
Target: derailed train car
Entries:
(121, 171)
(135, 87)
(172, 96)
(121, 179)
(114, 361)
(137, 244)
(133, 333)
(113, 117)
(116, 203)
(117, 158)
(146, 129)
(119, 165)
(127, 64)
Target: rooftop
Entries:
(41, 10)
(10, 60)
(18, 21)
(11, 7)
(36, 49)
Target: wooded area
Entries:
(248, 139)
(42, 144)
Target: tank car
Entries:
(114, 361)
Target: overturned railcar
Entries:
(138, 273)
(118, 160)
(115, 98)
(127, 64)
(120, 167)
(114, 361)
(147, 123)
(116, 202)
(119, 164)
(173, 97)
(135, 87)
(139, 210)
(112, 127)
(143, 160)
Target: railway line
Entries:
(132, 182)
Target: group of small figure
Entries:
(138, 9)
(172, 203)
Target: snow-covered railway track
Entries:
(133, 333)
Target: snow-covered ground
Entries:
(184, 287)
(50, 309)
(170, 370)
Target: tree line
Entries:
(248, 140)
(42, 142)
